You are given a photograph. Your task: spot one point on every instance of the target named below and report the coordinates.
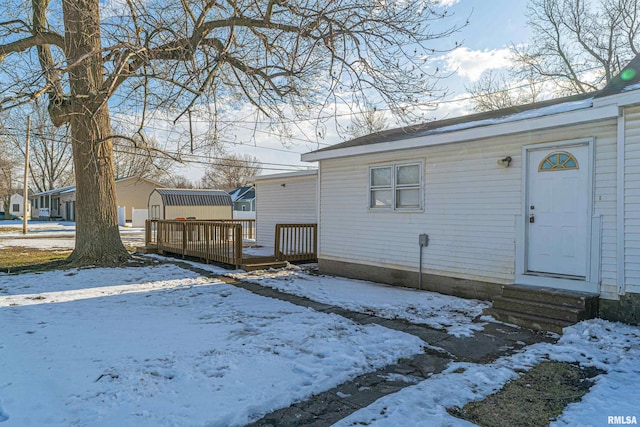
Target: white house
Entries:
(244, 202)
(546, 194)
(284, 198)
(16, 205)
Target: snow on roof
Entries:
(193, 197)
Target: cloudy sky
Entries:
(494, 26)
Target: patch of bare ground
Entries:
(19, 259)
(534, 399)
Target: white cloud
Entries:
(448, 3)
(472, 63)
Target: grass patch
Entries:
(18, 258)
(534, 399)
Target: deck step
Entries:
(263, 265)
(543, 309)
(147, 249)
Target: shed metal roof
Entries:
(188, 197)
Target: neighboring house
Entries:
(244, 202)
(60, 203)
(16, 205)
(546, 194)
(287, 198)
(173, 203)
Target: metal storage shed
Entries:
(172, 203)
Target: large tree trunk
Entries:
(97, 236)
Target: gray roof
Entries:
(188, 197)
(457, 123)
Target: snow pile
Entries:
(161, 346)
(455, 315)
(613, 347)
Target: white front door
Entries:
(557, 211)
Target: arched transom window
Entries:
(558, 161)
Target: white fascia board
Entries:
(591, 114)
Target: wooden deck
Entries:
(222, 241)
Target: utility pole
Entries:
(26, 178)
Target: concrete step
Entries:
(552, 311)
(553, 296)
(533, 322)
(543, 309)
(263, 265)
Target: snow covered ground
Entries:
(163, 346)
(160, 346)
(613, 347)
(458, 316)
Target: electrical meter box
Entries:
(423, 240)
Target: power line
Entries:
(188, 158)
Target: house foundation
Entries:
(464, 288)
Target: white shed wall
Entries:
(293, 203)
(198, 212)
(471, 205)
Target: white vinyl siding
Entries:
(632, 200)
(470, 206)
(284, 200)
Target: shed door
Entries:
(557, 211)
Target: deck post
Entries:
(207, 233)
(276, 245)
(184, 238)
(315, 241)
(237, 245)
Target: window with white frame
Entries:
(396, 186)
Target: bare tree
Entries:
(494, 92)
(576, 47)
(141, 56)
(579, 45)
(8, 175)
(177, 181)
(51, 158)
(231, 171)
(369, 121)
(133, 157)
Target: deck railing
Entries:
(217, 241)
(296, 242)
(222, 240)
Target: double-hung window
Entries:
(396, 186)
